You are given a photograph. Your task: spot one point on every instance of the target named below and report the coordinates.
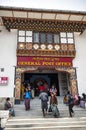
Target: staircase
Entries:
(34, 120)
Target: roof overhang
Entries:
(74, 19)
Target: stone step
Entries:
(62, 114)
(46, 123)
(35, 110)
(34, 120)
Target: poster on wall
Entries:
(3, 81)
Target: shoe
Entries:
(43, 114)
(73, 114)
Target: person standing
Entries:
(32, 90)
(44, 101)
(27, 97)
(65, 100)
(70, 103)
(53, 105)
(41, 87)
(29, 87)
(53, 89)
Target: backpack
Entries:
(70, 99)
(44, 97)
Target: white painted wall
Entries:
(80, 61)
(8, 44)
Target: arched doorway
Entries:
(37, 82)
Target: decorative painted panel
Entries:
(71, 47)
(29, 46)
(73, 81)
(74, 87)
(18, 79)
(64, 47)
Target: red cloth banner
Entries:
(44, 61)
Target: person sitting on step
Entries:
(9, 106)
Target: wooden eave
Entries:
(43, 20)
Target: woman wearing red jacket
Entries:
(41, 88)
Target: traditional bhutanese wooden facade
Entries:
(44, 21)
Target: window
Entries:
(2, 69)
(21, 36)
(63, 40)
(66, 37)
(70, 40)
(63, 37)
(28, 39)
(21, 39)
(28, 36)
(42, 38)
(56, 38)
(49, 38)
(63, 34)
(70, 37)
(39, 37)
(28, 33)
(24, 36)
(21, 33)
(36, 37)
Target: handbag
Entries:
(49, 110)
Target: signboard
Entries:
(3, 80)
(44, 61)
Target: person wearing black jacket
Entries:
(70, 103)
(44, 101)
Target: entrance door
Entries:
(63, 83)
(47, 78)
(60, 79)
